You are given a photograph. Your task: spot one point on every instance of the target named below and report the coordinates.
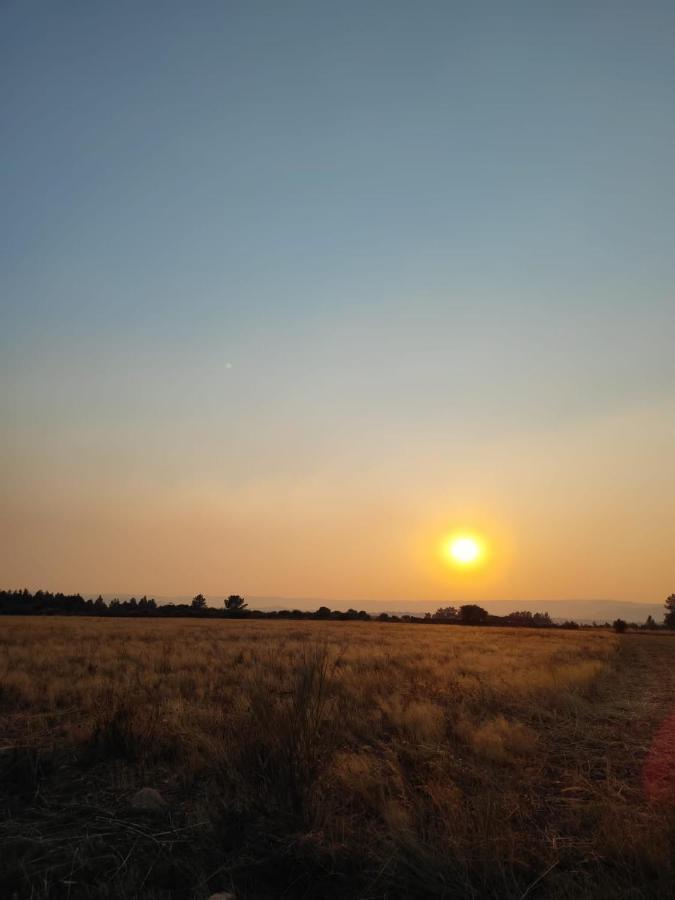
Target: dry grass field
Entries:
(312, 759)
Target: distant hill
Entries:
(580, 610)
(584, 611)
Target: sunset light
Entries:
(464, 550)
(337, 430)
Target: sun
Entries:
(464, 550)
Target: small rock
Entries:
(149, 800)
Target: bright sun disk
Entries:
(463, 550)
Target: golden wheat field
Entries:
(313, 759)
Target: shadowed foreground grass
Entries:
(330, 760)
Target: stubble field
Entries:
(313, 759)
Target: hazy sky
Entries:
(290, 290)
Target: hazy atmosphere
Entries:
(291, 293)
(337, 450)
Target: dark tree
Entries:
(235, 603)
(669, 620)
(199, 602)
(619, 625)
(446, 612)
(471, 614)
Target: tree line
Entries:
(620, 625)
(45, 603)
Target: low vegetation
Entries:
(330, 759)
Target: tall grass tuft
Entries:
(291, 730)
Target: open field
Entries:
(334, 760)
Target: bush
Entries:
(292, 732)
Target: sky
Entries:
(291, 291)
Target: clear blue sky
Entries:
(317, 280)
